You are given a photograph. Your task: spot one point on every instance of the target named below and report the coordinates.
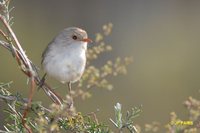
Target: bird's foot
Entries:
(70, 102)
(42, 81)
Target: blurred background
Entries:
(161, 36)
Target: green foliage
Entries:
(3, 90)
(60, 118)
(127, 123)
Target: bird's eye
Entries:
(74, 37)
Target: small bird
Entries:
(65, 56)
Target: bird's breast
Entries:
(67, 64)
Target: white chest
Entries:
(66, 64)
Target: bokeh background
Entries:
(161, 36)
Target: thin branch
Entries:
(21, 101)
(46, 88)
(18, 45)
(29, 104)
(3, 34)
(13, 98)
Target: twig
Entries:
(13, 98)
(28, 104)
(22, 101)
(18, 45)
(47, 89)
(3, 34)
(93, 114)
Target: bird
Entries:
(65, 56)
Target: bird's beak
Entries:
(87, 40)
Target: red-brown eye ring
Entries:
(74, 37)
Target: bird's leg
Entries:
(69, 87)
(70, 94)
(41, 83)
